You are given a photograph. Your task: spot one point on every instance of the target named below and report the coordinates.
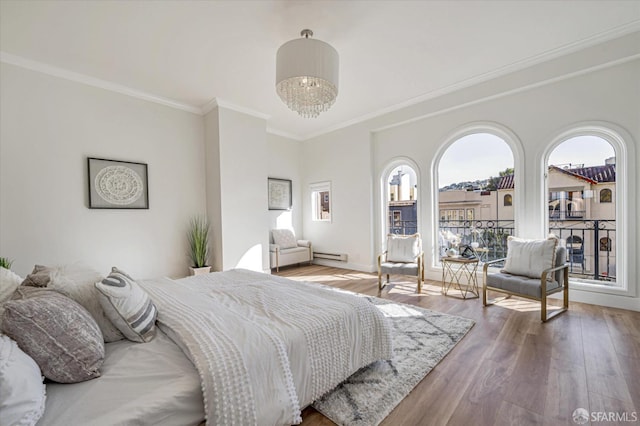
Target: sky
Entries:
(480, 156)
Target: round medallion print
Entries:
(119, 185)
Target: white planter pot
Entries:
(200, 271)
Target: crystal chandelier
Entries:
(307, 75)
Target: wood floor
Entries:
(511, 369)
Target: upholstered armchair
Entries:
(533, 269)
(403, 256)
(286, 250)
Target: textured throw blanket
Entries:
(266, 346)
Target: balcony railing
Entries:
(590, 243)
(490, 236)
(590, 247)
(567, 214)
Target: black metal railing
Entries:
(590, 247)
(567, 214)
(490, 236)
(590, 243)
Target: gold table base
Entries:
(464, 269)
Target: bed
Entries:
(236, 347)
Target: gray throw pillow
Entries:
(58, 333)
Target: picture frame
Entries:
(279, 194)
(115, 184)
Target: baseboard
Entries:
(345, 265)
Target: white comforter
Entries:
(265, 346)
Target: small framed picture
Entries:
(117, 184)
(279, 194)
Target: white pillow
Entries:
(285, 238)
(9, 282)
(403, 248)
(530, 257)
(128, 306)
(21, 387)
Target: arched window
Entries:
(586, 169)
(400, 195)
(474, 172)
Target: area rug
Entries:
(421, 339)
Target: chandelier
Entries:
(307, 75)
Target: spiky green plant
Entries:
(5, 262)
(198, 236)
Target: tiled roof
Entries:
(600, 174)
(506, 182)
(595, 174)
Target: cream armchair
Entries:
(286, 250)
(404, 256)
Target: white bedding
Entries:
(263, 347)
(141, 384)
(266, 346)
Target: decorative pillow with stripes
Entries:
(128, 306)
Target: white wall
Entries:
(283, 161)
(344, 159)
(48, 127)
(535, 105)
(237, 192)
(213, 186)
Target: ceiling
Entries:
(392, 53)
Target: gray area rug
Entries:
(421, 339)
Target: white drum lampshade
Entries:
(307, 75)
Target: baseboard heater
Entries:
(342, 257)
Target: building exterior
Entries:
(582, 214)
(402, 203)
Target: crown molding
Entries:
(43, 68)
(602, 37)
(218, 102)
(564, 50)
(510, 92)
(284, 134)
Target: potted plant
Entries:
(5, 263)
(198, 236)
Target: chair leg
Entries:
(543, 309)
(387, 278)
(484, 294)
(566, 291)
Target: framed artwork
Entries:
(279, 194)
(117, 184)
